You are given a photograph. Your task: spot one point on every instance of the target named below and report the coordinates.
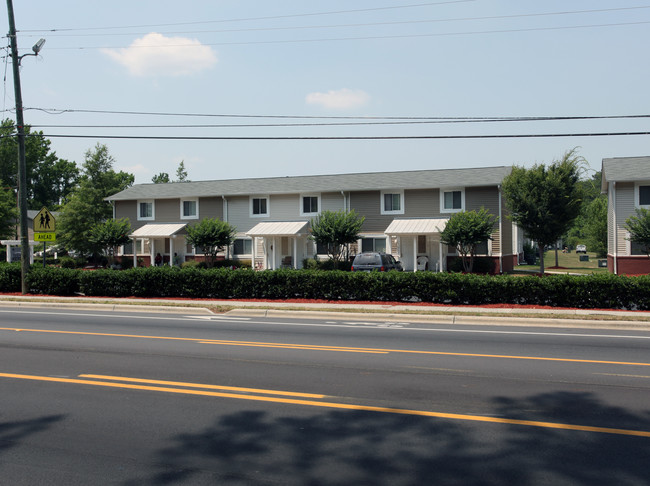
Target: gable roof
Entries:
(418, 179)
(624, 169)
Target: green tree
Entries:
(8, 212)
(595, 226)
(335, 229)
(181, 173)
(465, 230)
(162, 178)
(109, 235)
(87, 206)
(544, 201)
(639, 227)
(212, 236)
(49, 179)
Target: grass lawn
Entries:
(568, 263)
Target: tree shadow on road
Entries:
(11, 433)
(371, 448)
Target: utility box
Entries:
(602, 263)
(585, 258)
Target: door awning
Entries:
(158, 230)
(416, 226)
(280, 228)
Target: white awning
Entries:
(158, 230)
(416, 226)
(279, 228)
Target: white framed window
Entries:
(309, 204)
(242, 246)
(373, 244)
(190, 208)
(642, 195)
(259, 206)
(392, 202)
(146, 210)
(452, 200)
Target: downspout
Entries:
(615, 229)
(225, 219)
(345, 202)
(500, 232)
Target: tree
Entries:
(87, 206)
(8, 212)
(162, 178)
(465, 230)
(181, 173)
(595, 226)
(335, 229)
(543, 201)
(639, 227)
(110, 234)
(49, 179)
(212, 235)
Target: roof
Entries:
(370, 181)
(279, 228)
(416, 226)
(158, 230)
(625, 169)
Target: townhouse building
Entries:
(626, 181)
(404, 213)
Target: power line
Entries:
(273, 17)
(391, 137)
(372, 24)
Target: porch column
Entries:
(295, 252)
(415, 253)
(135, 252)
(440, 256)
(171, 250)
(254, 253)
(152, 252)
(274, 247)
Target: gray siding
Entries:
(421, 203)
(239, 214)
(488, 197)
(331, 201)
(128, 209)
(367, 204)
(285, 207)
(624, 209)
(610, 221)
(210, 207)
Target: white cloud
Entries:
(342, 99)
(157, 55)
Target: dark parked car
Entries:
(372, 261)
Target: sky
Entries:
(252, 88)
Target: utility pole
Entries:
(22, 170)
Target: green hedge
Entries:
(592, 291)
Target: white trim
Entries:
(637, 202)
(443, 190)
(301, 202)
(153, 209)
(268, 207)
(383, 209)
(189, 199)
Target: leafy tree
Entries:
(212, 235)
(8, 212)
(49, 179)
(162, 178)
(639, 227)
(579, 232)
(544, 201)
(334, 230)
(110, 234)
(181, 173)
(595, 226)
(465, 230)
(87, 206)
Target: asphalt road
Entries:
(115, 398)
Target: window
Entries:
(243, 246)
(452, 200)
(422, 244)
(643, 195)
(259, 206)
(373, 244)
(309, 205)
(145, 211)
(189, 208)
(391, 202)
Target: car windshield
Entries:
(367, 259)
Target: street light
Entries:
(20, 130)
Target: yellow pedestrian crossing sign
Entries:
(44, 222)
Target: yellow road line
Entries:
(200, 385)
(422, 413)
(331, 348)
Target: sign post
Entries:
(44, 229)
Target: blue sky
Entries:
(367, 61)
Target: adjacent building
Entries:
(626, 181)
(404, 213)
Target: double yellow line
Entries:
(304, 399)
